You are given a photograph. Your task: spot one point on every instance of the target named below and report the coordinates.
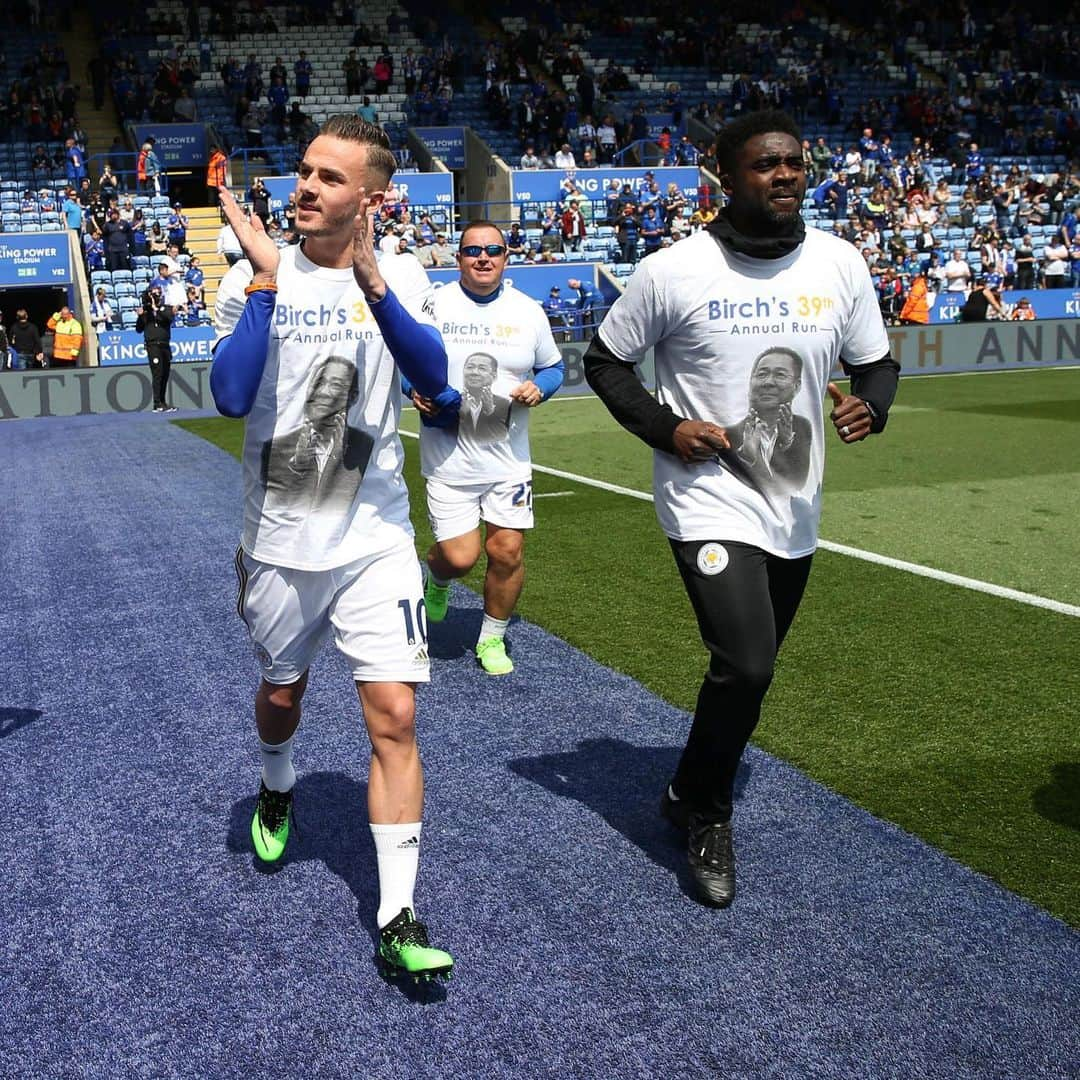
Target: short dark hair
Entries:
(351, 128)
(734, 135)
(480, 224)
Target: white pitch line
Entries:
(550, 494)
(973, 584)
(868, 556)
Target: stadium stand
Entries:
(981, 116)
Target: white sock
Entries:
(492, 628)
(277, 768)
(397, 852)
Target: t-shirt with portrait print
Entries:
(749, 344)
(322, 460)
(492, 348)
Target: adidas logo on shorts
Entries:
(421, 656)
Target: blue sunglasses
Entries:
(493, 251)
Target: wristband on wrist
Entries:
(268, 287)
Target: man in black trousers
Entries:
(747, 323)
(154, 322)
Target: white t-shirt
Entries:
(1057, 260)
(322, 479)
(492, 348)
(227, 242)
(712, 315)
(957, 275)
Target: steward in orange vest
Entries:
(217, 171)
(68, 338)
(916, 307)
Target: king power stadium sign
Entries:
(34, 259)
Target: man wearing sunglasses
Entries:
(476, 463)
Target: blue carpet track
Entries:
(140, 939)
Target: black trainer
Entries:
(711, 855)
(677, 811)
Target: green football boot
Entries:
(491, 656)
(436, 600)
(404, 950)
(270, 825)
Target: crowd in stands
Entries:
(960, 172)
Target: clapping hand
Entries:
(257, 247)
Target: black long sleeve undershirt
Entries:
(876, 384)
(616, 384)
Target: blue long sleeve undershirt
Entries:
(417, 348)
(549, 379)
(239, 361)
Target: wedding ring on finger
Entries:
(845, 430)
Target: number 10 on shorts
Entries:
(414, 624)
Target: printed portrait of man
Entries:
(484, 416)
(324, 460)
(771, 442)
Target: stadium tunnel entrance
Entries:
(41, 303)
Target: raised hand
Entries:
(850, 416)
(257, 247)
(365, 265)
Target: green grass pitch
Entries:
(948, 711)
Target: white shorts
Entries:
(375, 607)
(457, 509)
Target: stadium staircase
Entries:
(80, 41)
(205, 224)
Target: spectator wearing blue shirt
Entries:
(94, 249)
(886, 156)
(831, 196)
(75, 162)
(627, 231)
(686, 153)
(303, 71)
(652, 230)
(868, 147)
(588, 300)
(278, 96)
(555, 309)
(177, 226)
(72, 211)
(194, 275)
(976, 165)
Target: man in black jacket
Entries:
(25, 339)
(118, 242)
(154, 322)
